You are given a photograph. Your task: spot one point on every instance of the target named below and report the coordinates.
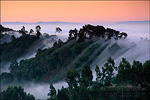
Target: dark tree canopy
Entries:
(58, 29)
(86, 75)
(15, 93)
(72, 78)
(38, 29)
(52, 92)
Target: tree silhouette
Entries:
(52, 92)
(58, 30)
(72, 78)
(98, 74)
(23, 31)
(38, 29)
(73, 34)
(108, 71)
(86, 75)
(124, 71)
(123, 34)
(31, 31)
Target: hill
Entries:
(80, 47)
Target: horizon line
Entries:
(72, 22)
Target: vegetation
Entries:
(17, 47)
(131, 81)
(81, 86)
(89, 31)
(3, 29)
(47, 61)
(15, 93)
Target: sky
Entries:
(74, 11)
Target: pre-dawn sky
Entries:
(74, 11)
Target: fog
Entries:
(40, 91)
(135, 47)
(138, 51)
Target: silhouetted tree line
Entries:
(24, 32)
(4, 29)
(82, 87)
(89, 31)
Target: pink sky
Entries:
(74, 11)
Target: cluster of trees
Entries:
(24, 32)
(81, 86)
(47, 62)
(17, 47)
(89, 31)
(3, 29)
(15, 93)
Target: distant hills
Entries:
(53, 22)
(133, 22)
(59, 22)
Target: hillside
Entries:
(82, 47)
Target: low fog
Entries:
(40, 91)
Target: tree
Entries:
(38, 29)
(73, 34)
(72, 78)
(123, 34)
(81, 35)
(124, 71)
(146, 72)
(23, 31)
(108, 71)
(15, 93)
(63, 94)
(31, 31)
(52, 92)
(58, 29)
(84, 93)
(86, 75)
(137, 77)
(98, 74)
(13, 38)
